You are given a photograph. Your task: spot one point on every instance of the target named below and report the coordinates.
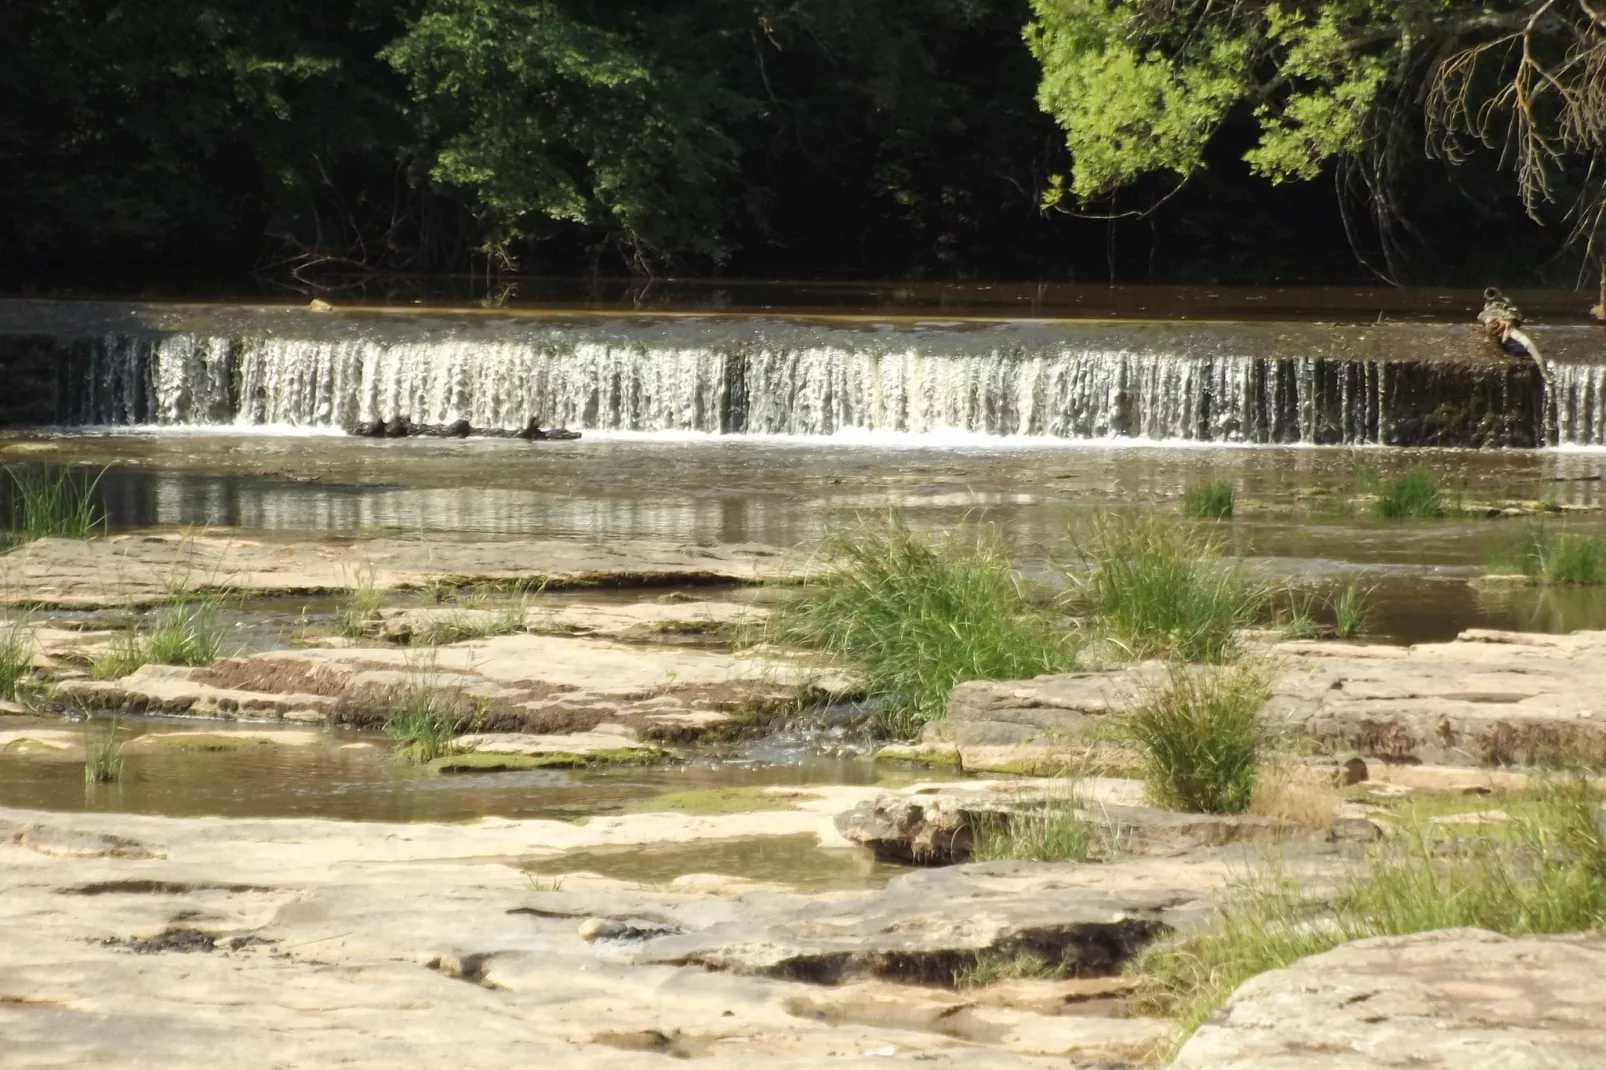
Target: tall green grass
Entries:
(103, 758)
(1412, 494)
(1213, 501)
(1545, 873)
(182, 631)
(16, 659)
(1352, 612)
(1201, 738)
(361, 606)
(45, 501)
(1159, 586)
(423, 723)
(1054, 829)
(914, 616)
(1559, 559)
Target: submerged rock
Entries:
(1460, 998)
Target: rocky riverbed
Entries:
(138, 939)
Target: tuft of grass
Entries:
(993, 967)
(103, 759)
(423, 723)
(1159, 586)
(1413, 494)
(16, 660)
(52, 501)
(183, 631)
(1296, 619)
(1543, 873)
(1557, 559)
(1055, 829)
(509, 620)
(1352, 612)
(361, 606)
(914, 616)
(1213, 501)
(1201, 738)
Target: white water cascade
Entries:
(569, 380)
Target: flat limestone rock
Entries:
(940, 828)
(1487, 699)
(512, 683)
(626, 622)
(1458, 999)
(1087, 918)
(135, 941)
(145, 569)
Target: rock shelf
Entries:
(131, 570)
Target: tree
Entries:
(1142, 86)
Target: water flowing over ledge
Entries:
(1389, 384)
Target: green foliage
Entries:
(361, 606)
(1141, 88)
(1545, 875)
(423, 723)
(994, 966)
(1201, 738)
(16, 659)
(182, 631)
(1557, 559)
(1413, 494)
(915, 616)
(540, 114)
(508, 620)
(103, 759)
(1296, 617)
(51, 501)
(1054, 829)
(1157, 586)
(1351, 612)
(1213, 501)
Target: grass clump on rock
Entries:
(1545, 872)
(44, 502)
(1055, 829)
(423, 723)
(1201, 738)
(183, 631)
(1213, 501)
(1157, 586)
(1557, 559)
(914, 616)
(1412, 494)
(991, 967)
(16, 660)
(361, 606)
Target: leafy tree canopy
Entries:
(1142, 86)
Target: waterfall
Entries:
(1212, 383)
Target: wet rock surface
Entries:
(145, 569)
(1459, 999)
(519, 683)
(1487, 699)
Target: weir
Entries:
(1406, 384)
